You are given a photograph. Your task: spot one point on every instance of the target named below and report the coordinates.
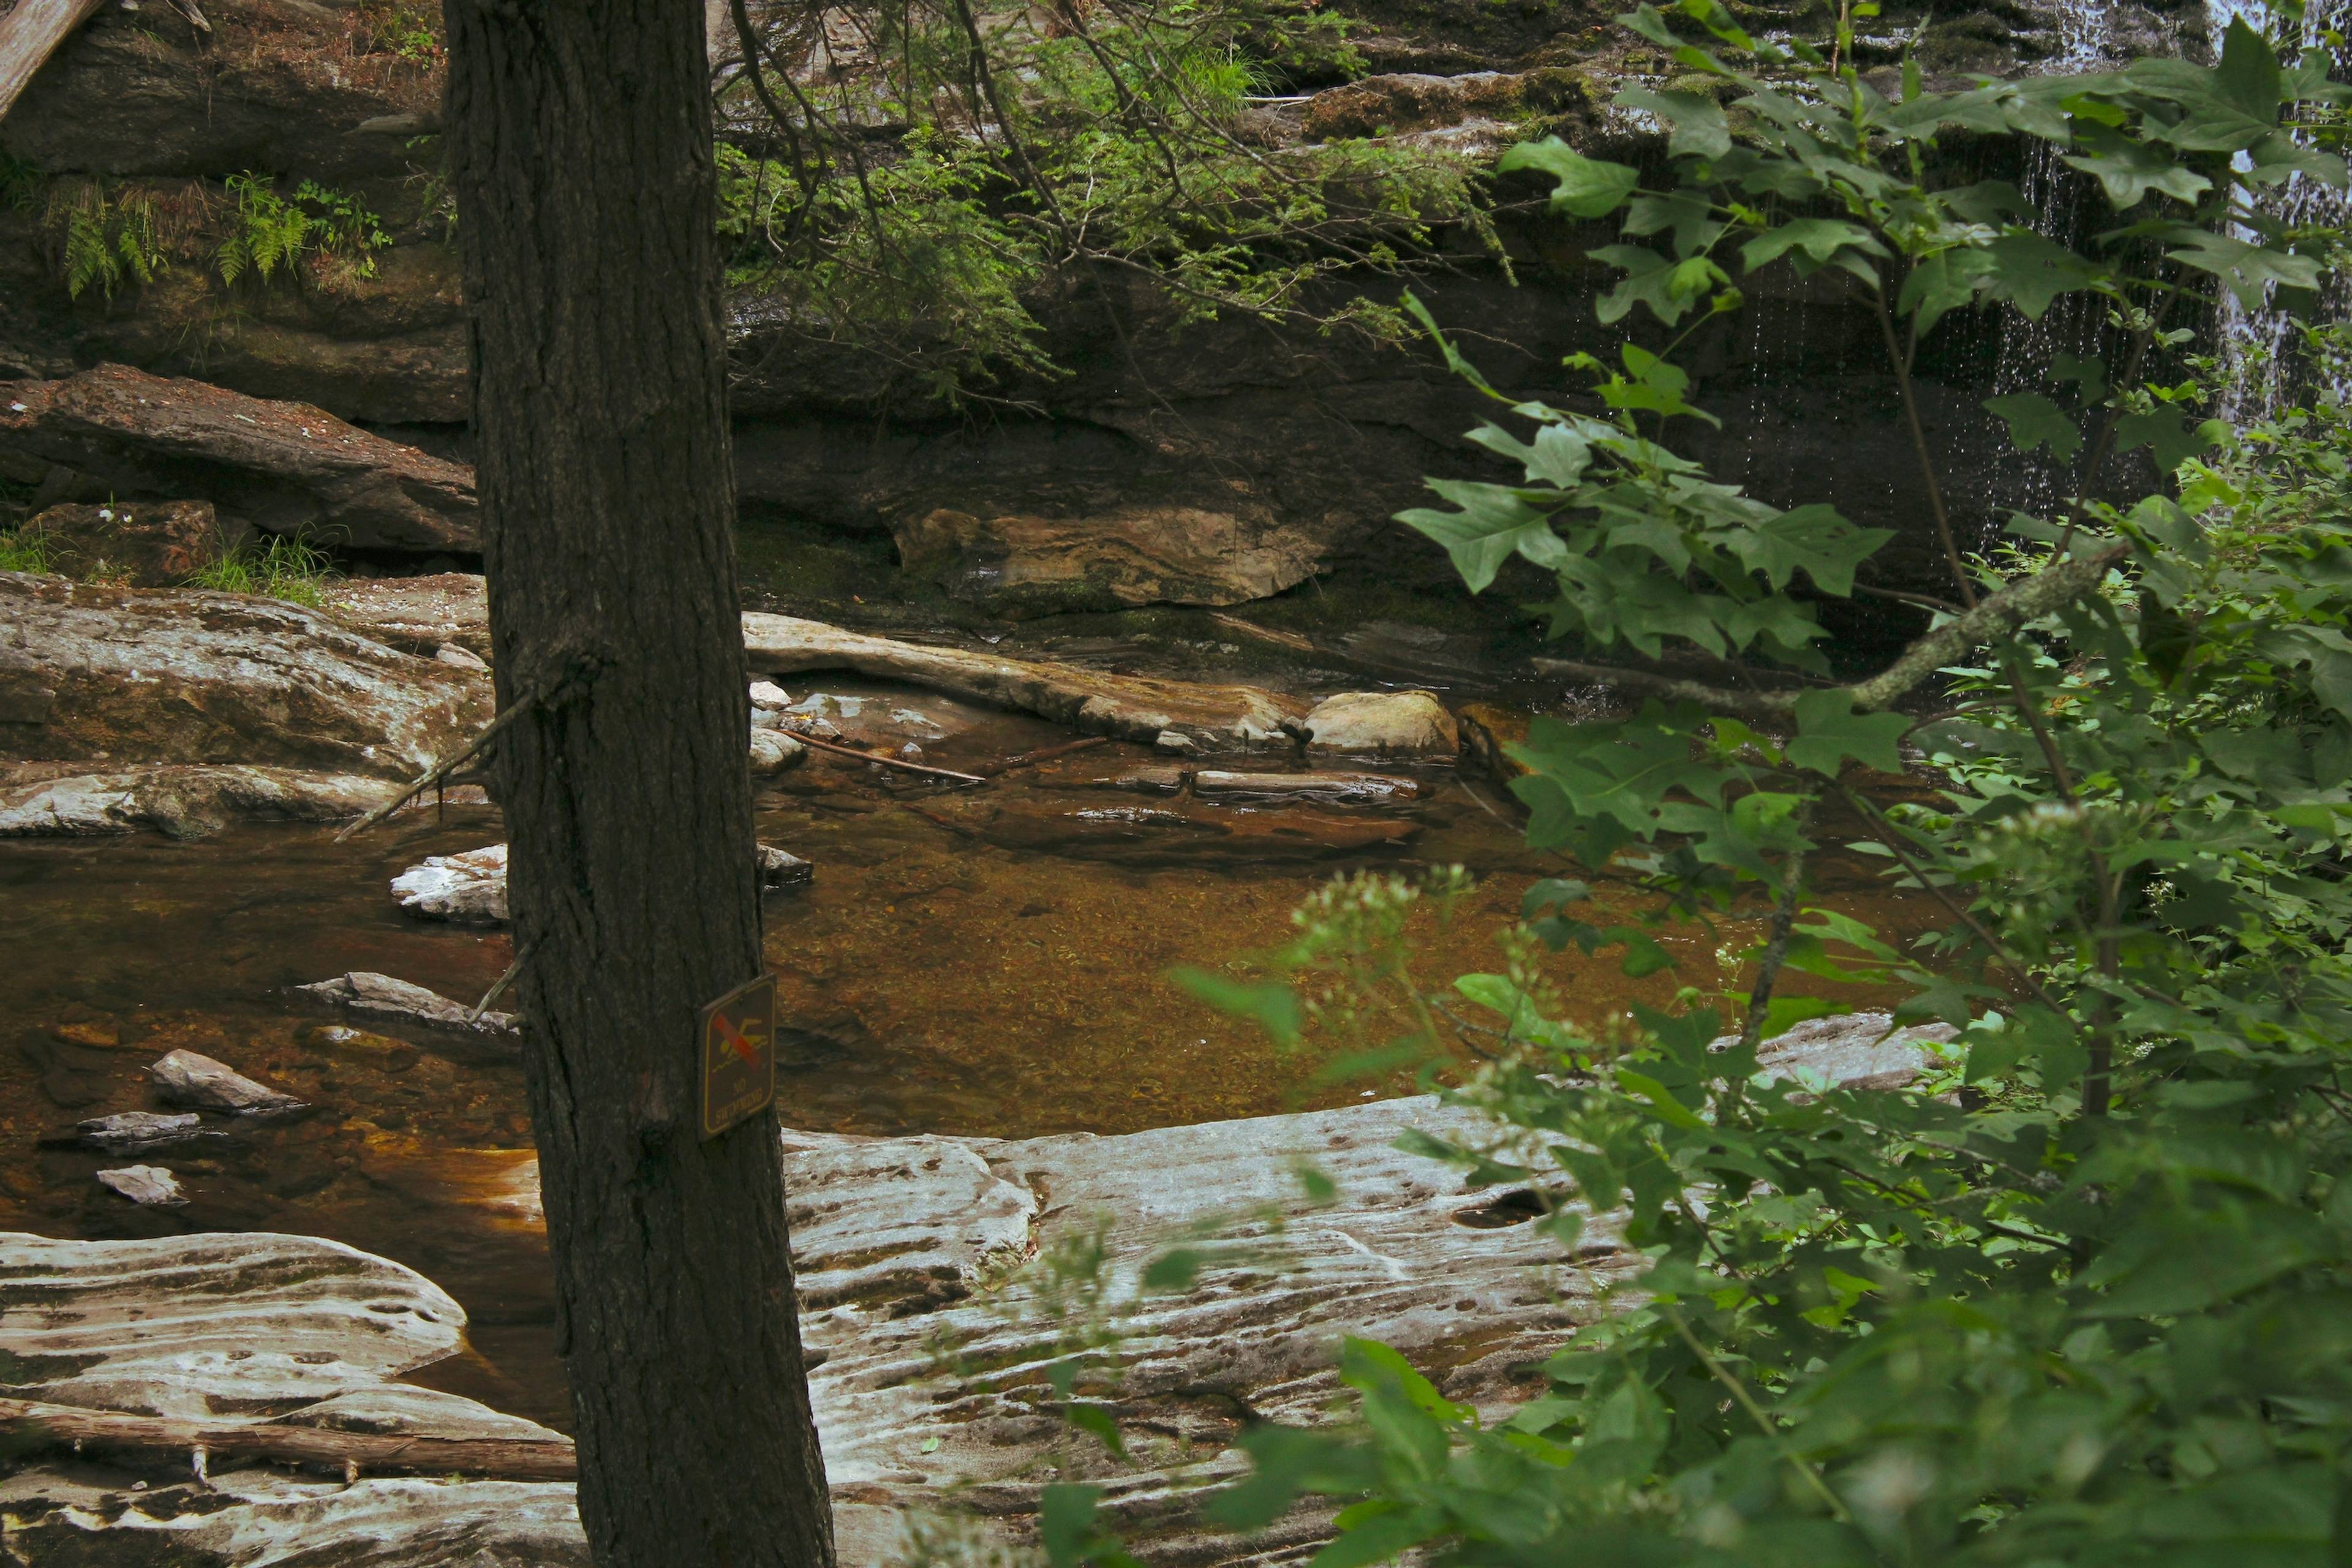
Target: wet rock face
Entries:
(178, 802)
(124, 675)
(1016, 565)
(287, 467)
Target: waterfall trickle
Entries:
(2261, 350)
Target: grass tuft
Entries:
(277, 567)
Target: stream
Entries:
(986, 962)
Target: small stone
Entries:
(458, 657)
(1383, 723)
(910, 752)
(768, 694)
(772, 751)
(143, 1184)
(188, 1078)
(1175, 741)
(781, 869)
(102, 1035)
(133, 1130)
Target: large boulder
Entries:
(287, 467)
(146, 544)
(1384, 724)
(178, 801)
(124, 675)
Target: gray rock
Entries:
(464, 890)
(179, 802)
(157, 676)
(773, 752)
(145, 1184)
(782, 868)
(289, 467)
(1384, 724)
(379, 996)
(457, 658)
(130, 1131)
(768, 695)
(185, 1078)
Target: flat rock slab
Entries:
(130, 1130)
(180, 801)
(1134, 555)
(181, 676)
(420, 615)
(287, 467)
(1216, 783)
(928, 1269)
(145, 1185)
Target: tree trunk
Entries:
(29, 34)
(581, 144)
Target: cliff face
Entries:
(1214, 465)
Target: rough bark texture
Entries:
(582, 155)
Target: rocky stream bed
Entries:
(301, 1223)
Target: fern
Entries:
(266, 232)
(104, 238)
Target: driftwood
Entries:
(882, 759)
(29, 34)
(1043, 755)
(1126, 707)
(1355, 789)
(38, 1425)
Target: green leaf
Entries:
(1495, 523)
(1274, 1006)
(2248, 270)
(2165, 434)
(1695, 122)
(1829, 731)
(1673, 1111)
(2030, 272)
(2130, 170)
(1817, 239)
(1586, 187)
(2034, 421)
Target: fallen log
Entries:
(1347, 789)
(29, 34)
(34, 1424)
(1126, 707)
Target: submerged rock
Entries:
(369, 996)
(184, 1078)
(145, 1184)
(130, 1131)
(782, 868)
(1382, 724)
(179, 802)
(1337, 788)
(287, 467)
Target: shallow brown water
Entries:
(979, 964)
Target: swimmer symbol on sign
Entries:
(739, 1055)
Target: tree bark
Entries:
(29, 34)
(581, 144)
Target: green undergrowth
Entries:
(277, 567)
